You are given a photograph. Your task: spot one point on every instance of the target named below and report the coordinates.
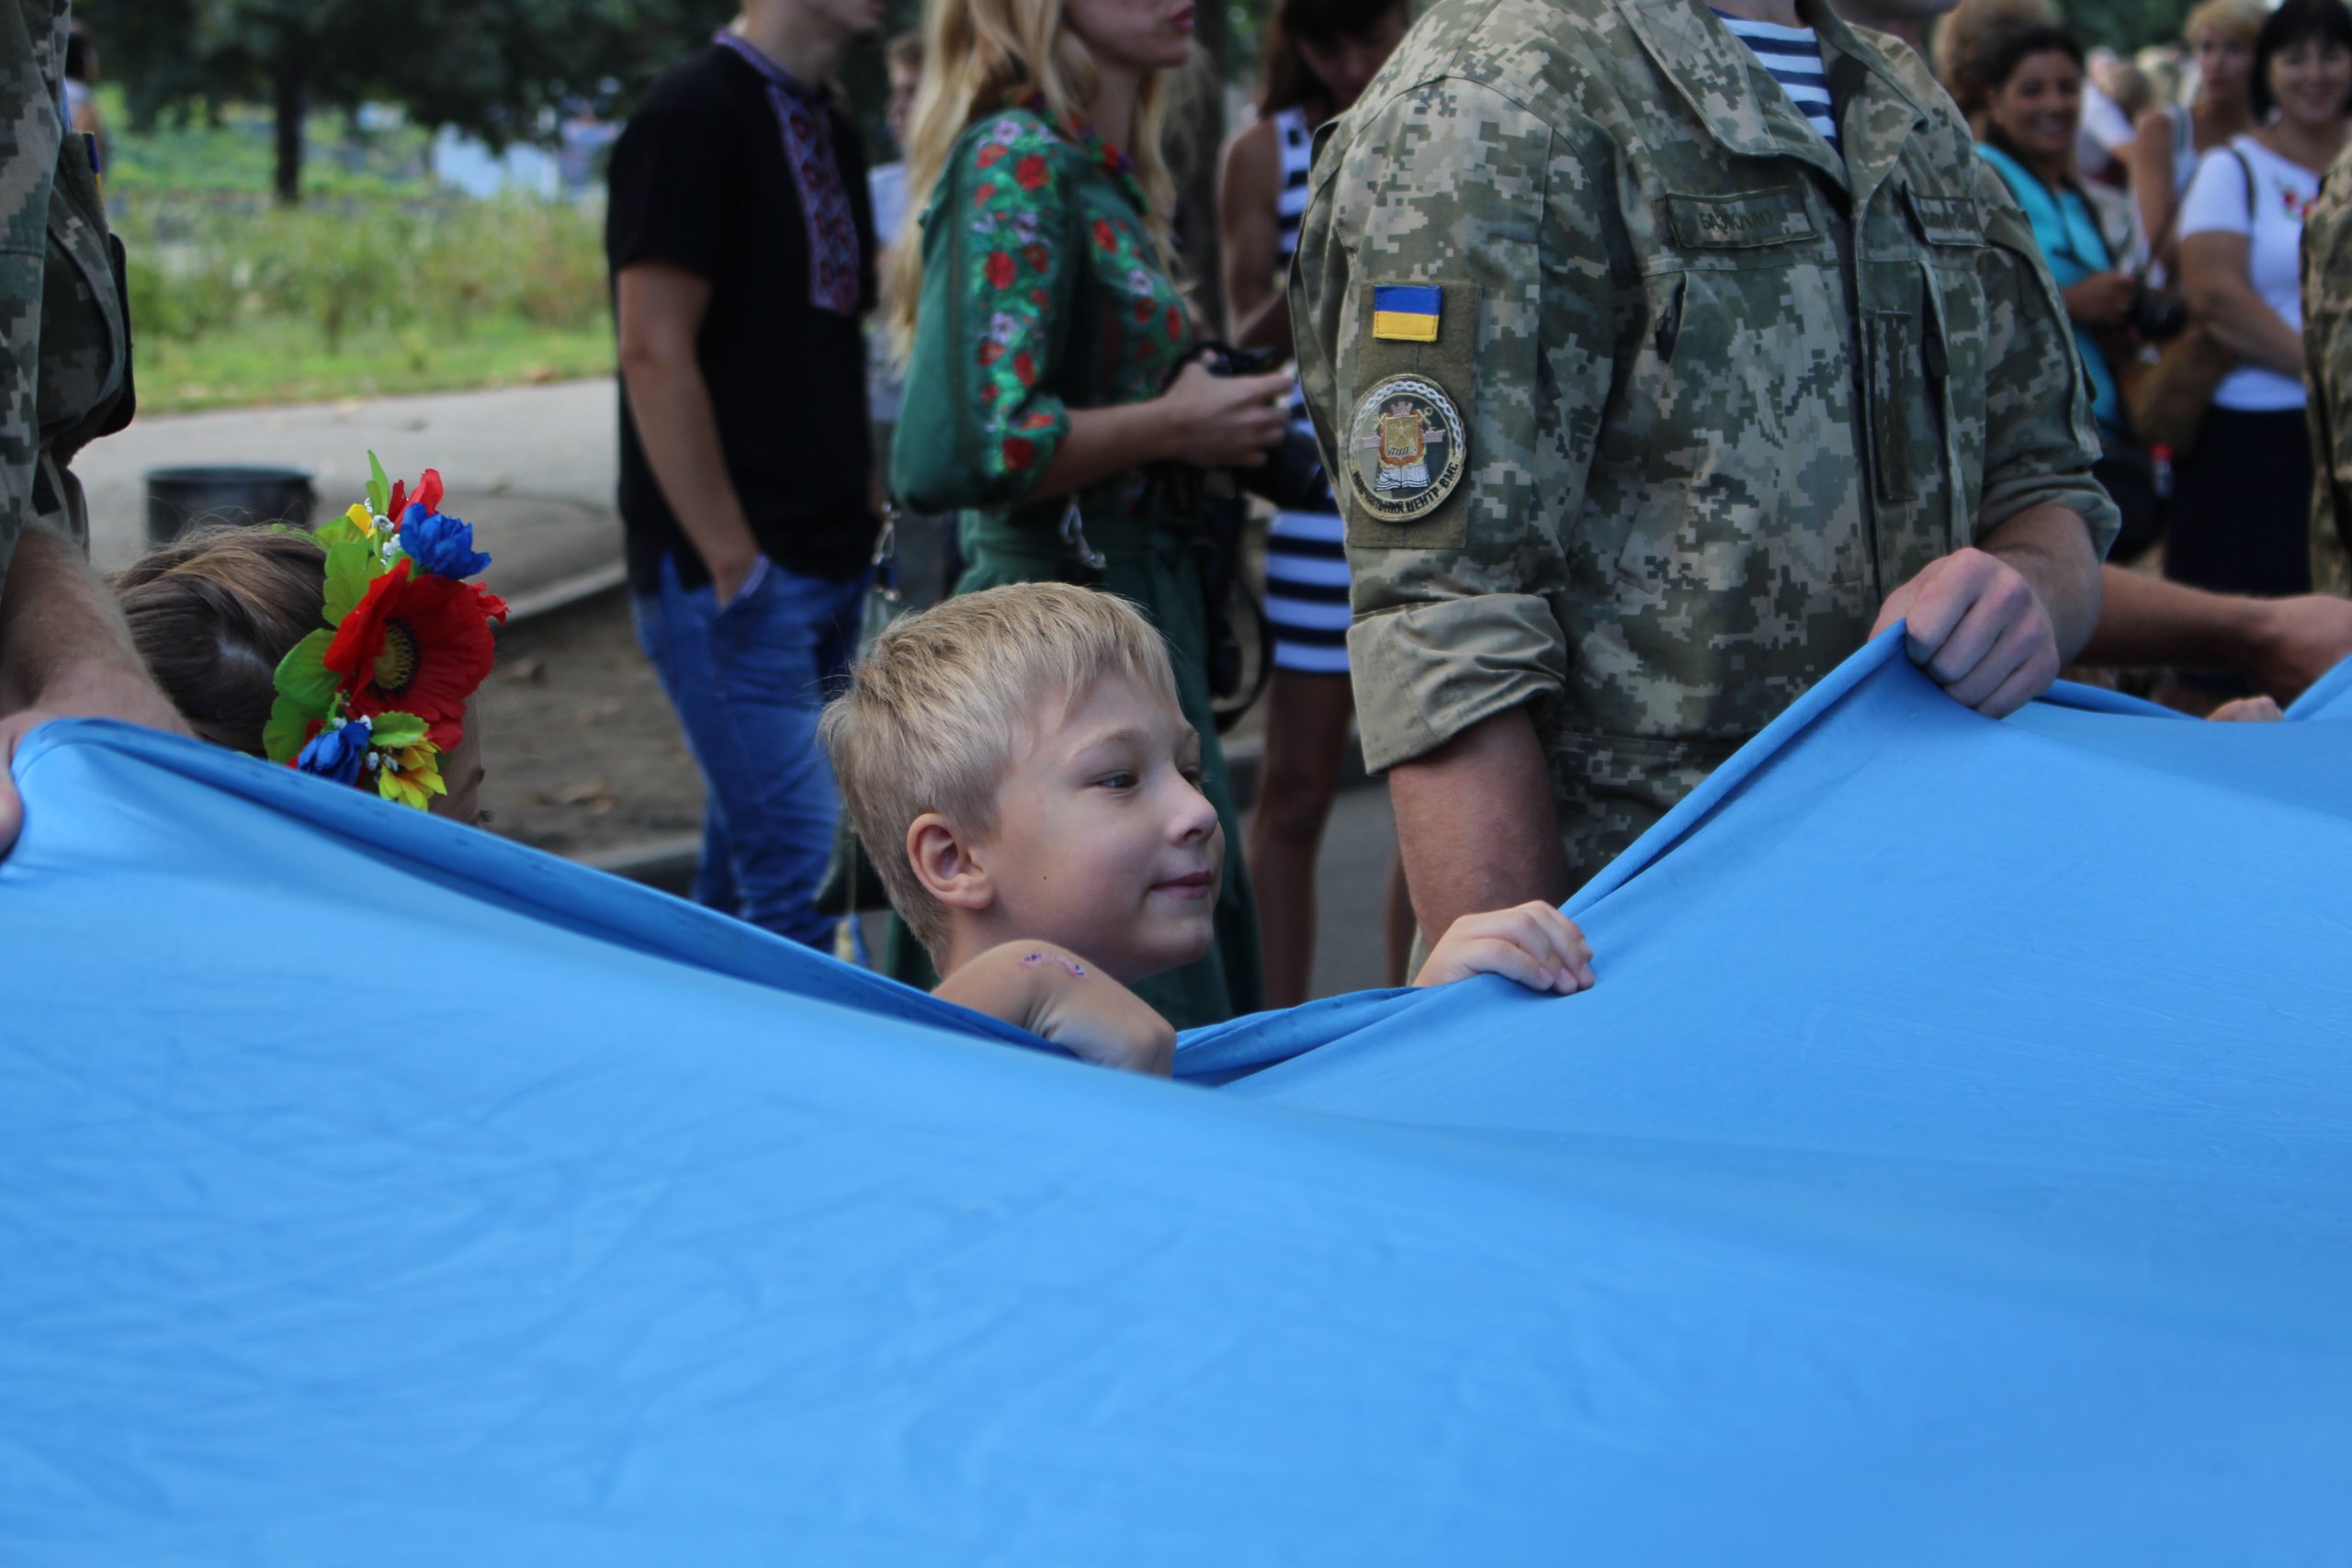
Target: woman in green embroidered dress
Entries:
(1049, 388)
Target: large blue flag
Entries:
(1952, 1165)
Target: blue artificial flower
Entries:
(441, 545)
(339, 754)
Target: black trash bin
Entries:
(178, 497)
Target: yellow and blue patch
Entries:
(1406, 312)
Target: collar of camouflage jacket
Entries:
(1734, 98)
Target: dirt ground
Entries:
(584, 753)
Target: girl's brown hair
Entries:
(213, 611)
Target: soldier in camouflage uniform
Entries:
(2328, 374)
(1703, 399)
(65, 380)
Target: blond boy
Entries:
(1018, 767)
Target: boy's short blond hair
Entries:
(934, 711)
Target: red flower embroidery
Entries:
(1175, 324)
(1000, 270)
(990, 352)
(1030, 172)
(991, 154)
(1036, 419)
(1038, 256)
(1018, 453)
(1025, 367)
(1040, 298)
(1105, 237)
(1143, 310)
(986, 194)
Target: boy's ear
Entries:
(942, 861)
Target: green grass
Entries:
(275, 361)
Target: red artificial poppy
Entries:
(1039, 257)
(991, 154)
(417, 645)
(1025, 367)
(990, 352)
(428, 496)
(1000, 269)
(1018, 453)
(1105, 237)
(1030, 172)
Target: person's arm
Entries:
(661, 308)
(2152, 179)
(2221, 293)
(1994, 626)
(2101, 300)
(2281, 645)
(1056, 995)
(1455, 631)
(1010, 265)
(64, 653)
(1248, 187)
(1475, 823)
(1532, 943)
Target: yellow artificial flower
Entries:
(409, 775)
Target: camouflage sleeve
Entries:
(2327, 373)
(2040, 438)
(1453, 184)
(30, 134)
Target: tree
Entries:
(488, 67)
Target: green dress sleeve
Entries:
(982, 419)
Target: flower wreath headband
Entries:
(380, 689)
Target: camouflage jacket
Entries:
(2328, 374)
(1719, 390)
(64, 343)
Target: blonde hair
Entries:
(936, 710)
(980, 56)
(2240, 19)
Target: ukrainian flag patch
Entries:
(1406, 312)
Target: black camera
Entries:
(2155, 317)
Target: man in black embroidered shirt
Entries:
(742, 244)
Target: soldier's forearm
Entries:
(1475, 824)
(2050, 546)
(58, 627)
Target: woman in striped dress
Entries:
(1319, 55)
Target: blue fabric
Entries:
(1950, 1166)
(747, 682)
(2073, 249)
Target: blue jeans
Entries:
(748, 682)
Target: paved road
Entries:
(532, 468)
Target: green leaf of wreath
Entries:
(282, 736)
(395, 729)
(351, 567)
(379, 489)
(303, 677)
(338, 531)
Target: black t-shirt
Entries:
(699, 179)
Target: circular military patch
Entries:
(1405, 449)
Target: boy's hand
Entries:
(1053, 993)
(1534, 944)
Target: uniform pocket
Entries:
(1895, 398)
